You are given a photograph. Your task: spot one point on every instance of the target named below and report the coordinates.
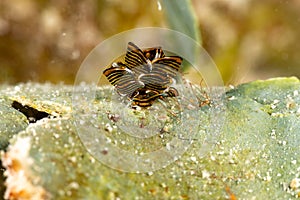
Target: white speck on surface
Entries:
(108, 127)
(264, 100)
(74, 185)
(295, 93)
(150, 173)
(93, 160)
(231, 161)
(193, 158)
(276, 101)
(108, 140)
(267, 177)
(73, 159)
(205, 174)
(273, 106)
(212, 158)
(231, 98)
(295, 183)
(294, 162)
(273, 134)
(168, 146)
(163, 185)
(17, 89)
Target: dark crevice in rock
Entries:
(32, 114)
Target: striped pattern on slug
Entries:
(145, 76)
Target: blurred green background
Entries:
(46, 41)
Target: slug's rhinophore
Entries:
(145, 76)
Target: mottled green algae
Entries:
(268, 122)
(278, 94)
(11, 122)
(255, 157)
(43, 97)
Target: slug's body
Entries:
(145, 76)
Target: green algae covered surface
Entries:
(256, 155)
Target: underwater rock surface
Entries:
(256, 155)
